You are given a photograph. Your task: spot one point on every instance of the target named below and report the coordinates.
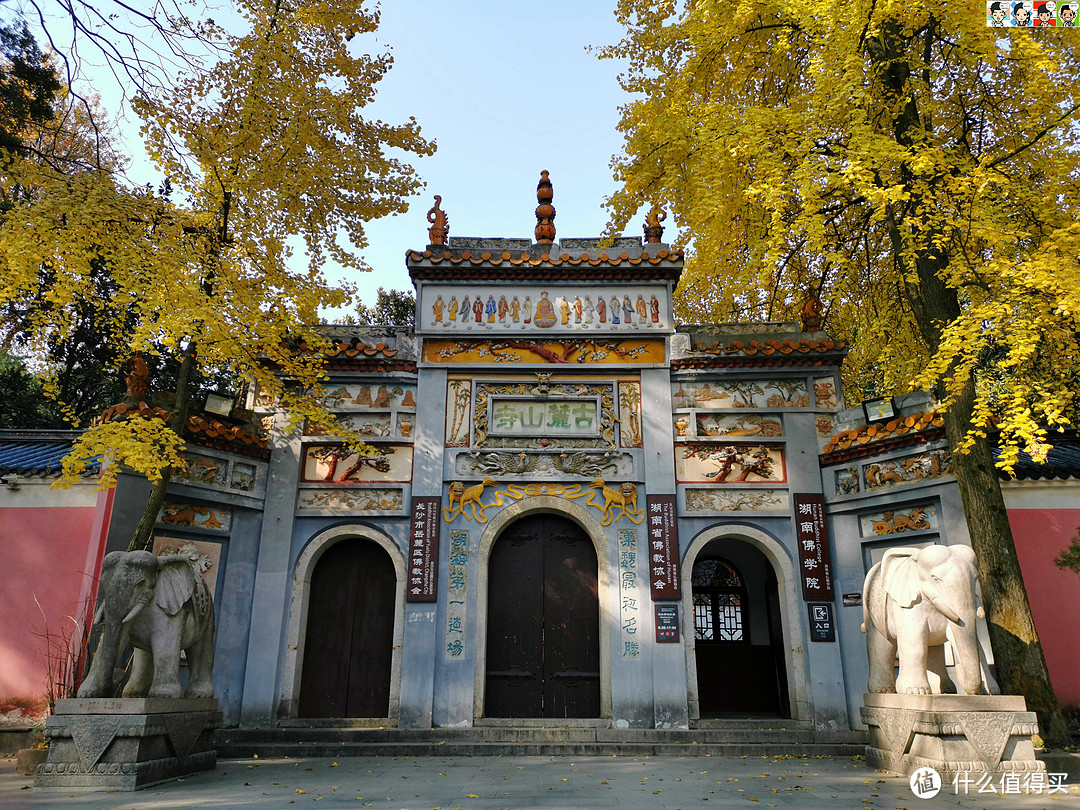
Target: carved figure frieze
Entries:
(351, 500)
(526, 350)
(196, 516)
(736, 500)
(847, 481)
(733, 463)
(918, 519)
(203, 470)
(535, 309)
(614, 503)
(579, 462)
(741, 394)
(924, 466)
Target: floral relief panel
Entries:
(736, 500)
(351, 500)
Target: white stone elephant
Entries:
(160, 606)
(915, 600)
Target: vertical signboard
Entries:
(667, 623)
(424, 549)
(663, 545)
(815, 567)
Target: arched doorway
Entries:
(348, 646)
(543, 622)
(738, 638)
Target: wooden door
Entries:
(350, 631)
(543, 648)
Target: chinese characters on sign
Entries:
(667, 623)
(558, 417)
(629, 612)
(663, 547)
(821, 622)
(423, 549)
(455, 594)
(814, 565)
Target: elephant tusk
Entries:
(943, 606)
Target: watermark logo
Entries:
(925, 783)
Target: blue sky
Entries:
(506, 89)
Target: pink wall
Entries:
(1054, 594)
(44, 554)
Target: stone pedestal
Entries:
(127, 743)
(972, 734)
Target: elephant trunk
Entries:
(966, 646)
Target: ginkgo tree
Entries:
(918, 171)
(267, 143)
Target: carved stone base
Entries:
(127, 743)
(972, 734)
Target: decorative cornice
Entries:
(771, 346)
(869, 440)
(663, 265)
(212, 433)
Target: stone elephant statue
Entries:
(160, 606)
(915, 600)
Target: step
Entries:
(532, 741)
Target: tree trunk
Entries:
(1018, 654)
(144, 531)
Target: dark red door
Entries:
(543, 648)
(350, 632)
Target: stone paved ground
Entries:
(481, 783)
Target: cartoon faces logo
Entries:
(1045, 13)
(998, 14)
(1067, 14)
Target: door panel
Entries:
(348, 648)
(543, 625)
(515, 661)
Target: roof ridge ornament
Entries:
(440, 223)
(545, 211)
(654, 231)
